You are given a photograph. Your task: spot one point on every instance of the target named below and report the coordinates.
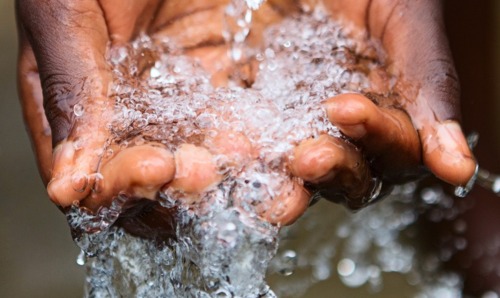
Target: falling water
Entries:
(222, 246)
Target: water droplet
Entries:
(78, 144)
(98, 182)
(288, 262)
(460, 226)
(254, 4)
(78, 110)
(346, 267)
(272, 66)
(223, 293)
(109, 152)
(154, 72)
(490, 294)
(140, 123)
(269, 53)
(460, 243)
(81, 259)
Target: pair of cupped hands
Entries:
(62, 63)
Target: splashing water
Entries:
(222, 246)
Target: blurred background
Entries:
(37, 255)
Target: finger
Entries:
(334, 166)
(446, 152)
(196, 170)
(174, 10)
(289, 205)
(414, 38)
(129, 18)
(233, 147)
(31, 97)
(386, 134)
(191, 30)
(139, 172)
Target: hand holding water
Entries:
(66, 49)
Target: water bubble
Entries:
(78, 144)
(236, 54)
(118, 55)
(109, 153)
(154, 72)
(460, 226)
(254, 4)
(81, 259)
(321, 271)
(140, 123)
(430, 195)
(78, 110)
(269, 53)
(98, 182)
(490, 294)
(288, 262)
(223, 293)
(228, 233)
(346, 267)
(272, 66)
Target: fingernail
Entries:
(331, 108)
(356, 131)
(452, 140)
(79, 181)
(457, 152)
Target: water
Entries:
(223, 244)
(370, 252)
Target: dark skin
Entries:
(62, 62)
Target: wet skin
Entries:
(62, 62)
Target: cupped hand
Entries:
(63, 69)
(64, 82)
(416, 124)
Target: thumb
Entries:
(418, 48)
(69, 40)
(445, 149)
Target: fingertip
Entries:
(154, 166)
(195, 169)
(140, 170)
(313, 159)
(67, 184)
(63, 193)
(289, 205)
(447, 154)
(350, 112)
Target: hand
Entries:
(417, 123)
(63, 84)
